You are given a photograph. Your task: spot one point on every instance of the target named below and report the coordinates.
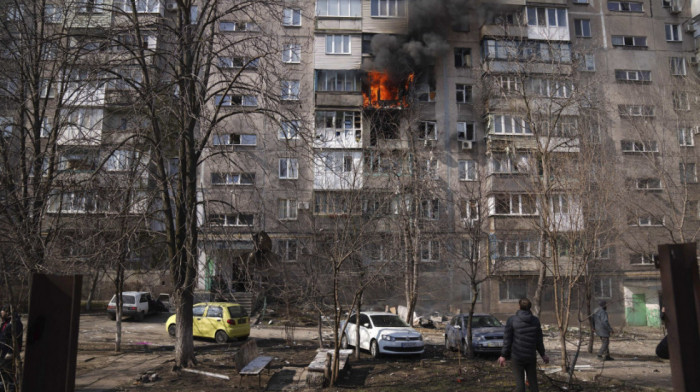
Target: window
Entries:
(430, 209)
(349, 8)
(239, 219)
(388, 8)
(288, 168)
(464, 93)
(630, 41)
(512, 289)
(235, 139)
(546, 17)
(83, 118)
(337, 124)
(509, 164)
(6, 124)
(515, 204)
(622, 75)
(287, 209)
(46, 127)
(527, 51)
(214, 311)
(635, 110)
(48, 89)
(625, 6)
(289, 130)
(519, 248)
(427, 130)
(678, 66)
(648, 220)
(686, 137)
(347, 164)
(643, 258)
(639, 146)
(238, 26)
(122, 160)
(648, 184)
(376, 252)
(588, 63)
(238, 62)
(430, 251)
(291, 53)
(89, 6)
(505, 124)
(509, 84)
(688, 173)
(674, 33)
(425, 91)
(466, 131)
(73, 203)
(467, 170)
(287, 250)
(430, 168)
(602, 288)
(338, 44)
(291, 17)
(602, 250)
(582, 28)
(470, 209)
(233, 178)
(333, 80)
(236, 100)
(329, 203)
(463, 57)
(142, 6)
(53, 13)
(550, 88)
(681, 101)
(560, 204)
(290, 90)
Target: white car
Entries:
(136, 304)
(383, 333)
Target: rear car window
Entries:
(214, 311)
(237, 311)
(128, 299)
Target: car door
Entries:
(365, 331)
(350, 329)
(212, 321)
(197, 316)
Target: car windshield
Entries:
(484, 321)
(388, 321)
(236, 311)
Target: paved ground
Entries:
(146, 346)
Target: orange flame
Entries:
(382, 93)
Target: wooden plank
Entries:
(256, 366)
(246, 353)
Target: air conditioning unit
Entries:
(171, 6)
(467, 144)
(303, 205)
(676, 6)
(429, 142)
(694, 61)
(690, 27)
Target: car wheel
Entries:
(171, 330)
(112, 316)
(374, 349)
(221, 337)
(344, 342)
(140, 316)
(241, 338)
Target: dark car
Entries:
(487, 333)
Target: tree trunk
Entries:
(472, 305)
(320, 330)
(184, 345)
(589, 317)
(119, 286)
(91, 294)
(537, 298)
(357, 326)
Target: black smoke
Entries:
(430, 22)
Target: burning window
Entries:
(381, 91)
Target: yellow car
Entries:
(218, 320)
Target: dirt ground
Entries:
(148, 350)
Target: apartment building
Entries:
(422, 128)
(445, 115)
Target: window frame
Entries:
(674, 32)
(679, 66)
(288, 169)
(632, 39)
(382, 8)
(287, 209)
(291, 53)
(345, 45)
(464, 93)
(288, 17)
(629, 4)
(510, 294)
(467, 169)
(601, 289)
(580, 26)
(686, 136)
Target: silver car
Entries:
(487, 333)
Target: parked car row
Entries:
(136, 304)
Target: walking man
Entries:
(603, 329)
(521, 342)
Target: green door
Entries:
(637, 314)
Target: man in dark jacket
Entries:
(521, 342)
(603, 329)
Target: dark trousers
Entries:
(604, 349)
(519, 371)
